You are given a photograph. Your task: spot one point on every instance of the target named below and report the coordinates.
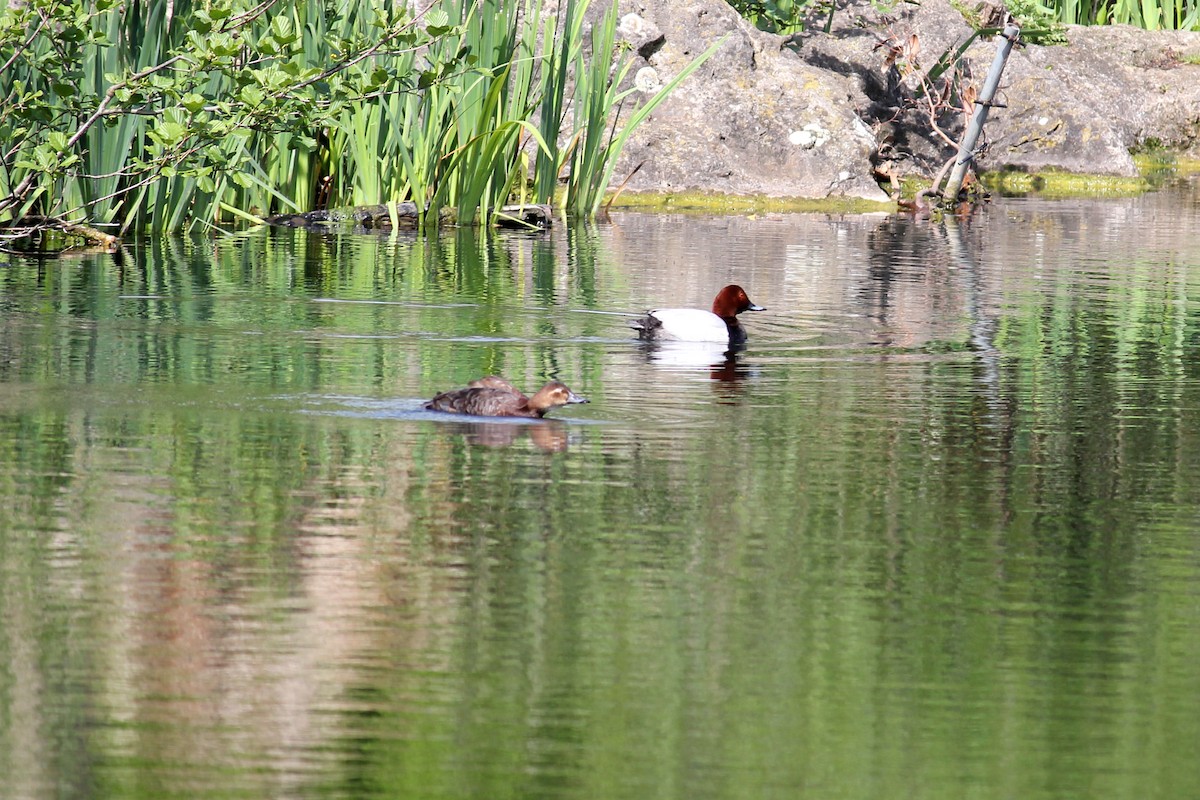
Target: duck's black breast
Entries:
(737, 334)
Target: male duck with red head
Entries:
(493, 396)
(696, 325)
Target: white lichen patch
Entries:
(646, 80)
(633, 27)
(811, 136)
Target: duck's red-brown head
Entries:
(731, 301)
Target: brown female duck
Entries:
(493, 396)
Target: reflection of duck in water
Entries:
(722, 363)
(730, 371)
(696, 325)
(549, 436)
(493, 396)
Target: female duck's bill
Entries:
(696, 325)
(493, 396)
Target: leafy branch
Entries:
(230, 73)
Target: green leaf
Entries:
(437, 22)
(197, 40)
(266, 44)
(174, 115)
(252, 96)
(202, 23)
(168, 134)
(281, 29)
(193, 102)
(379, 77)
(222, 44)
(45, 157)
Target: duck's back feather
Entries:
(483, 401)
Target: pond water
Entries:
(935, 532)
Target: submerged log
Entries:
(379, 217)
(33, 225)
(372, 217)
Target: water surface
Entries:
(933, 533)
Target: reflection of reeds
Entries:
(473, 119)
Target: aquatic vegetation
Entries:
(172, 116)
(1148, 14)
(792, 16)
(1051, 183)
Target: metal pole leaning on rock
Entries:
(966, 147)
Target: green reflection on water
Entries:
(237, 560)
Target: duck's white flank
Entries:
(691, 325)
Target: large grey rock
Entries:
(801, 117)
(1083, 106)
(752, 120)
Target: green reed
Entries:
(1149, 14)
(167, 115)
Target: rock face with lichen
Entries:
(751, 120)
(832, 114)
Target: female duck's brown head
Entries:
(553, 395)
